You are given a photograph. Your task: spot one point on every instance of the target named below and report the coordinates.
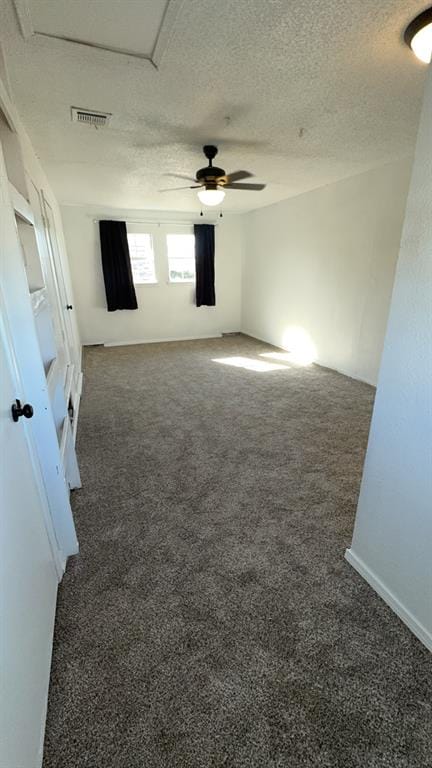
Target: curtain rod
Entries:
(158, 223)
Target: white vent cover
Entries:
(90, 117)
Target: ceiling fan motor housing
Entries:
(211, 174)
(213, 178)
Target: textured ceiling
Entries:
(314, 91)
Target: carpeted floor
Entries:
(210, 619)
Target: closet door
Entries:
(29, 572)
(65, 307)
(45, 426)
(50, 277)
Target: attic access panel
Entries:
(130, 27)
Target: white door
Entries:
(22, 329)
(36, 203)
(64, 304)
(28, 579)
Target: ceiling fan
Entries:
(212, 181)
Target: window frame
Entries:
(150, 234)
(179, 231)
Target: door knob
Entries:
(18, 410)
(69, 306)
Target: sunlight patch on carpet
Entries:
(260, 366)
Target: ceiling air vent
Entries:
(90, 117)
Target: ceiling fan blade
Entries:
(179, 176)
(253, 187)
(175, 189)
(238, 176)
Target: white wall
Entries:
(166, 311)
(319, 269)
(392, 543)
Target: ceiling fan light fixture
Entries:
(211, 196)
(418, 35)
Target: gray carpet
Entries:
(210, 619)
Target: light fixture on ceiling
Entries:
(211, 196)
(211, 182)
(418, 35)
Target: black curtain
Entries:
(204, 265)
(117, 270)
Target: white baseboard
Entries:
(159, 341)
(404, 614)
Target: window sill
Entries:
(180, 282)
(138, 285)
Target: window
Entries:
(142, 257)
(181, 258)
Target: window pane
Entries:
(181, 258)
(142, 258)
